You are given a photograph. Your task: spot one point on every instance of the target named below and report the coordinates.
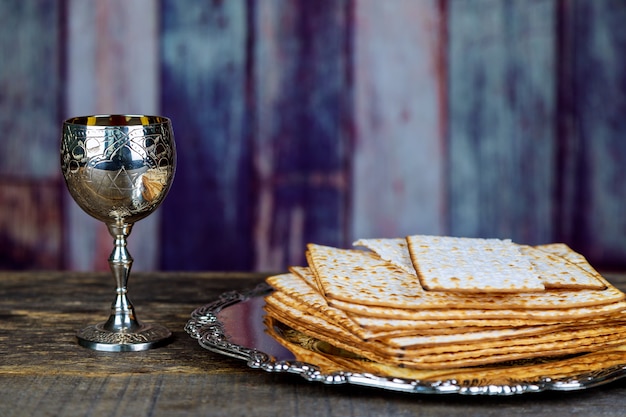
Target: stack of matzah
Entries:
(432, 303)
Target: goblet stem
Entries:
(122, 331)
(122, 312)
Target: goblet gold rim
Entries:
(117, 120)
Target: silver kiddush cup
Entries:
(118, 169)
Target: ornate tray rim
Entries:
(205, 327)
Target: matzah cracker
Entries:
(299, 295)
(524, 335)
(306, 275)
(506, 375)
(457, 355)
(318, 353)
(481, 314)
(458, 264)
(581, 339)
(281, 300)
(330, 316)
(558, 272)
(368, 305)
(394, 251)
(556, 264)
(313, 282)
(305, 350)
(454, 355)
(294, 292)
(381, 323)
(294, 285)
(361, 277)
(564, 251)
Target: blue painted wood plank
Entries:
(259, 95)
(501, 128)
(206, 218)
(30, 88)
(31, 217)
(592, 130)
(302, 90)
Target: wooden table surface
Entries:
(43, 371)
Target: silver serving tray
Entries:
(234, 325)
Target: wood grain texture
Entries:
(111, 68)
(43, 372)
(37, 335)
(30, 105)
(324, 121)
(256, 393)
(30, 224)
(302, 91)
(398, 160)
(592, 86)
(30, 86)
(501, 125)
(207, 215)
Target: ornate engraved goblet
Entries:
(118, 169)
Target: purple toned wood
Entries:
(259, 95)
(30, 224)
(111, 68)
(592, 129)
(302, 92)
(112, 57)
(207, 216)
(30, 97)
(30, 88)
(398, 185)
(323, 121)
(502, 124)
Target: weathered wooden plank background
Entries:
(398, 154)
(322, 121)
(203, 90)
(593, 131)
(31, 218)
(501, 121)
(111, 66)
(302, 107)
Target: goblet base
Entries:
(146, 336)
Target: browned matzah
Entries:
(454, 355)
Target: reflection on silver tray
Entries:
(233, 325)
